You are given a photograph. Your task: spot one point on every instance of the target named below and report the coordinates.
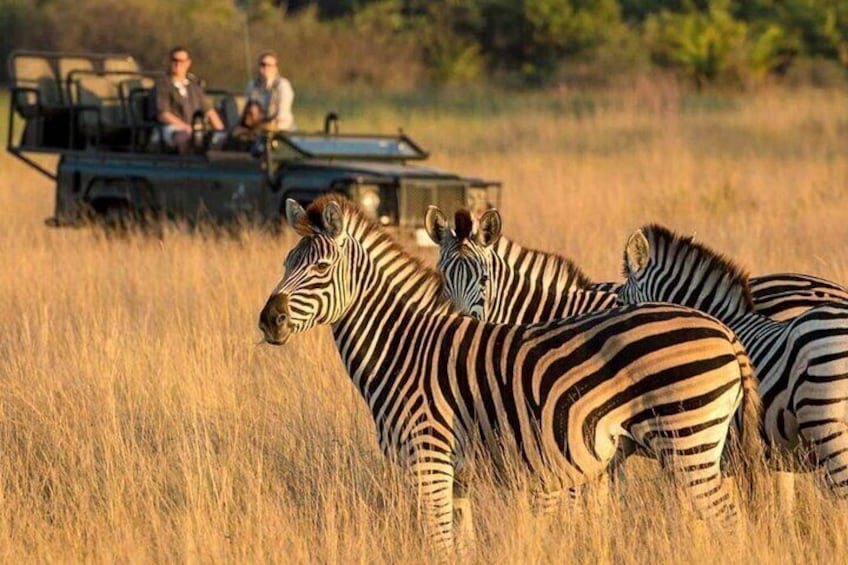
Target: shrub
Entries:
(705, 46)
(772, 51)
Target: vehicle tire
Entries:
(113, 215)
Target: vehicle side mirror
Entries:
(331, 124)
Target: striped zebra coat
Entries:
(567, 394)
(784, 296)
(802, 363)
(495, 279)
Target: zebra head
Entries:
(314, 289)
(465, 256)
(662, 266)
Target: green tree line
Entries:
(406, 44)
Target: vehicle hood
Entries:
(377, 168)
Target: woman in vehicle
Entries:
(269, 99)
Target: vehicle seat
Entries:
(122, 69)
(230, 109)
(120, 64)
(127, 83)
(37, 98)
(141, 110)
(66, 66)
(38, 89)
(100, 112)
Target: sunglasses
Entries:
(176, 60)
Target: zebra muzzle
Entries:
(275, 321)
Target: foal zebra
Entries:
(493, 278)
(802, 363)
(567, 393)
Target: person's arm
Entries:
(283, 118)
(209, 112)
(214, 119)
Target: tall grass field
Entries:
(141, 421)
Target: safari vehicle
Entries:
(94, 112)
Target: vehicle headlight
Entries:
(369, 200)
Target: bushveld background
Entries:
(410, 44)
(141, 422)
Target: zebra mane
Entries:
(663, 238)
(363, 228)
(505, 248)
(573, 270)
(464, 224)
(313, 221)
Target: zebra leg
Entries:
(821, 410)
(546, 502)
(602, 488)
(615, 477)
(626, 448)
(827, 434)
(705, 486)
(434, 479)
(695, 462)
(466, 540)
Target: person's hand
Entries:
(218, 137)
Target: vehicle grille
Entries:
(415, 196)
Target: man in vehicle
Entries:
(269, 99)
(179, 95)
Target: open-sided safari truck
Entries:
(94, 112)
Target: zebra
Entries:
(784, 296)
(802, 363)
(494, 278)
(566, 393)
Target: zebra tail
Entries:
(753, 452)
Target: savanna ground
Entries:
(141, 422)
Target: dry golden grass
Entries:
(139, 420)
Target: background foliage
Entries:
(141, 423)
(407, 44)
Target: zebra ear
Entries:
(435, 223)
(295, 215)
(490, 227)
(636, 252)
(333, 219)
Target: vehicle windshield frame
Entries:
(398, 147)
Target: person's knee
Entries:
(181, 141)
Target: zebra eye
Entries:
(322, 266)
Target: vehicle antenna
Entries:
(246, 34)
